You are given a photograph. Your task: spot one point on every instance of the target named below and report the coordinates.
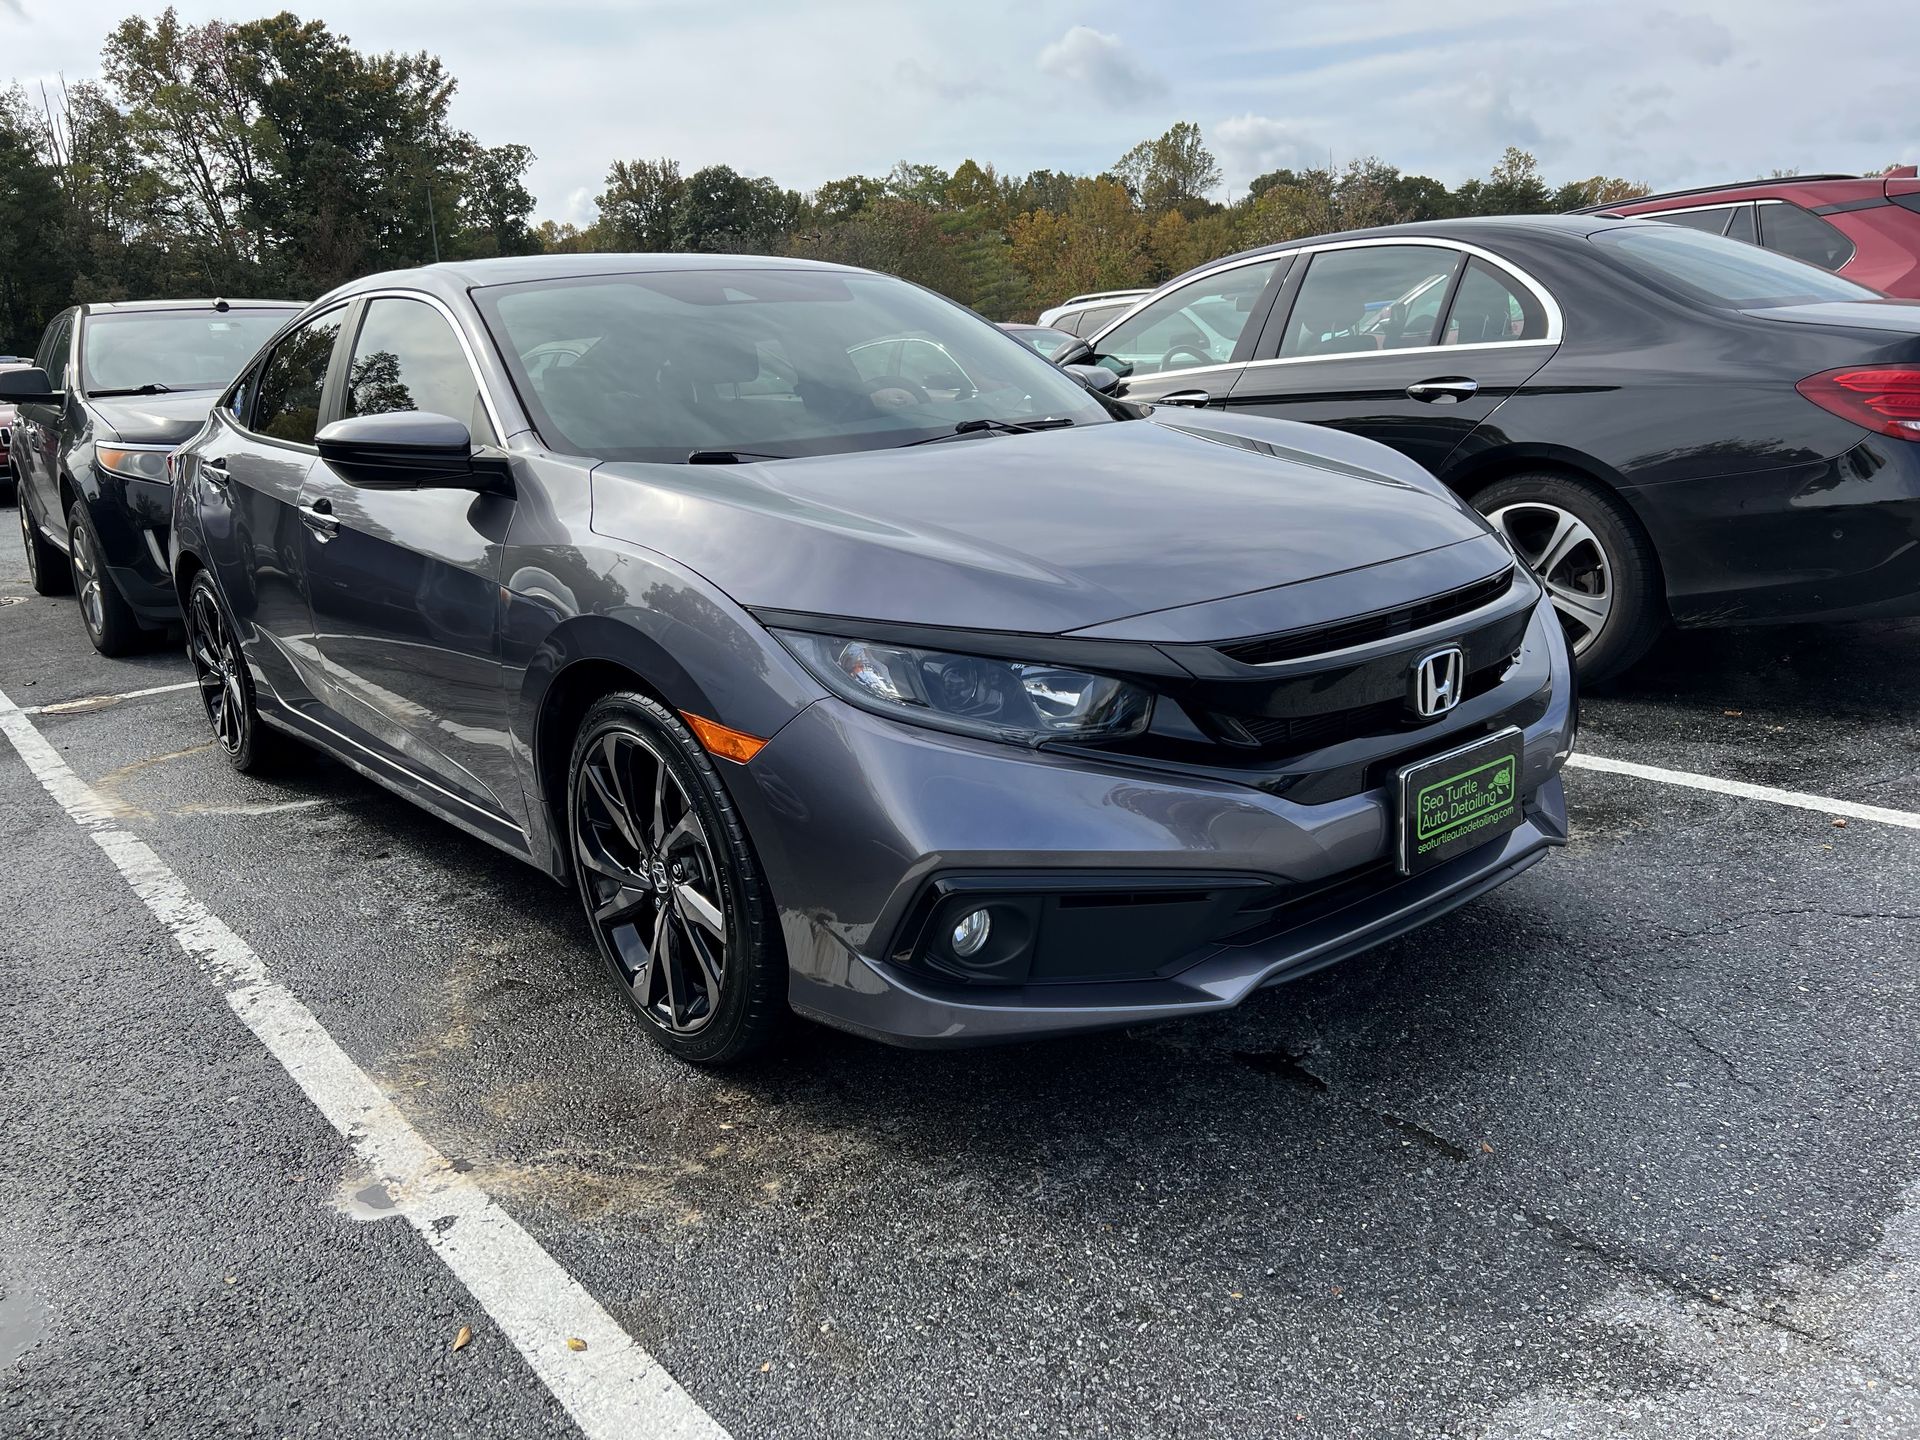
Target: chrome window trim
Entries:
(1556, 324)
(500, 430)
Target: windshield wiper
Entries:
(152, 387)
(997, 427)
(730, 457)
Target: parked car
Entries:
(1008, 711)
(1865, 227)
(9, 417)
(1666, 425)
(111, 390)
(1084, 314)
(1043, 340)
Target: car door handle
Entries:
(1192, 399)
(320, 519)
(1450, 390)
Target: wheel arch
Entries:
(1476, 474)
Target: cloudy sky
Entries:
(1672, 92)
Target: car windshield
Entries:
(1725, 273)
(762, 363)
(173, 349)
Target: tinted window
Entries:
(1722, 272)
(1803, 235)
(1713, 222)
(52, 355)
(287, 400)
(1491, 307)
(1375, 297)
(777, 362)
(1741, 227)
(180, 349)
(1091, 322)
(1199, 323)
(408, 358)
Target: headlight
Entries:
(1003, 699)
(141, 464)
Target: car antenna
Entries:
(222, 306)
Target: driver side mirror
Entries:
(1097, 378)
(29, 386)
(411, 450)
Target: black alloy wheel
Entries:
(670, 885)
(47, 568)
(226, 689)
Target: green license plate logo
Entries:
(1459, 805)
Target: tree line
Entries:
(271, 157)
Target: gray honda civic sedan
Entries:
(847, 658)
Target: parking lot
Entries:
(1630, 1146)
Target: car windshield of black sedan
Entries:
(1729, 274)
(172, 349)
(762, 364)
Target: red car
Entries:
(1865, 227)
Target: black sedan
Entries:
(113, 388)
(1666, 425)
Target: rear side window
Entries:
(1373, 297)
(1713, 221)
(286, 402)
(1803, 235)
(408, 358)
(1087, 322)
(1741, 227)
(1724, 273)
(1491, 307)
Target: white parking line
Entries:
(1852, 809)
(100, 702)
(612, 1388)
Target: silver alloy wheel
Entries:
(1568, 560)
(87, 580)
(653, 889)
(217, 666)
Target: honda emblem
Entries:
(1436, 682)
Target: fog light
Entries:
(971, 933)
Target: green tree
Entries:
(636, 210)
(1173, 171)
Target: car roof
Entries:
(115, 307)
(1480, 227)
(455, 276)
(1739, 189)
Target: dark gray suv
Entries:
(847, 658)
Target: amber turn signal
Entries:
(719, 740)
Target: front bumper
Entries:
(855, 817)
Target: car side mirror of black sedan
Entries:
(1097, 378)
(28, 386)
(411, 449)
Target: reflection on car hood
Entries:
(155, 419)
(1048, 532)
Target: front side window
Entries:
(1199, 323)
(408, 358)
(1724, 273)
(127, 351)
(52, 356)
(1371, 297)
(1803, 235)
(1491, 307)
(286, 402)
(762, 362)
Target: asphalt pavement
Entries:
(1630, 1147)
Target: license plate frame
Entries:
(1451, 803)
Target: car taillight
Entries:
(1884, 398)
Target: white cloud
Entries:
(1698, 37)
(1249, 145)
(1101, 67)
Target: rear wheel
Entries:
(46, 567)
(226, 689)
(1593, 560)
(670, 885)
(110, 621)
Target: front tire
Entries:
(47, 568)
(670, 886)
(226, 687)
(1596, 564)
(111, 624)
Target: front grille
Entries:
(1297, 734)
(1365, 629)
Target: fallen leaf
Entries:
(1236, 1294)
(1733, 714)
(1839, 824)
(575, 1343)
(766, 1367)
(233, 1279)
(464, 1338)
(1486, 1147)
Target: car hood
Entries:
(1889, 314)
(155, 419)
(1051, 532)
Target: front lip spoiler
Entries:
(891, 1006)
